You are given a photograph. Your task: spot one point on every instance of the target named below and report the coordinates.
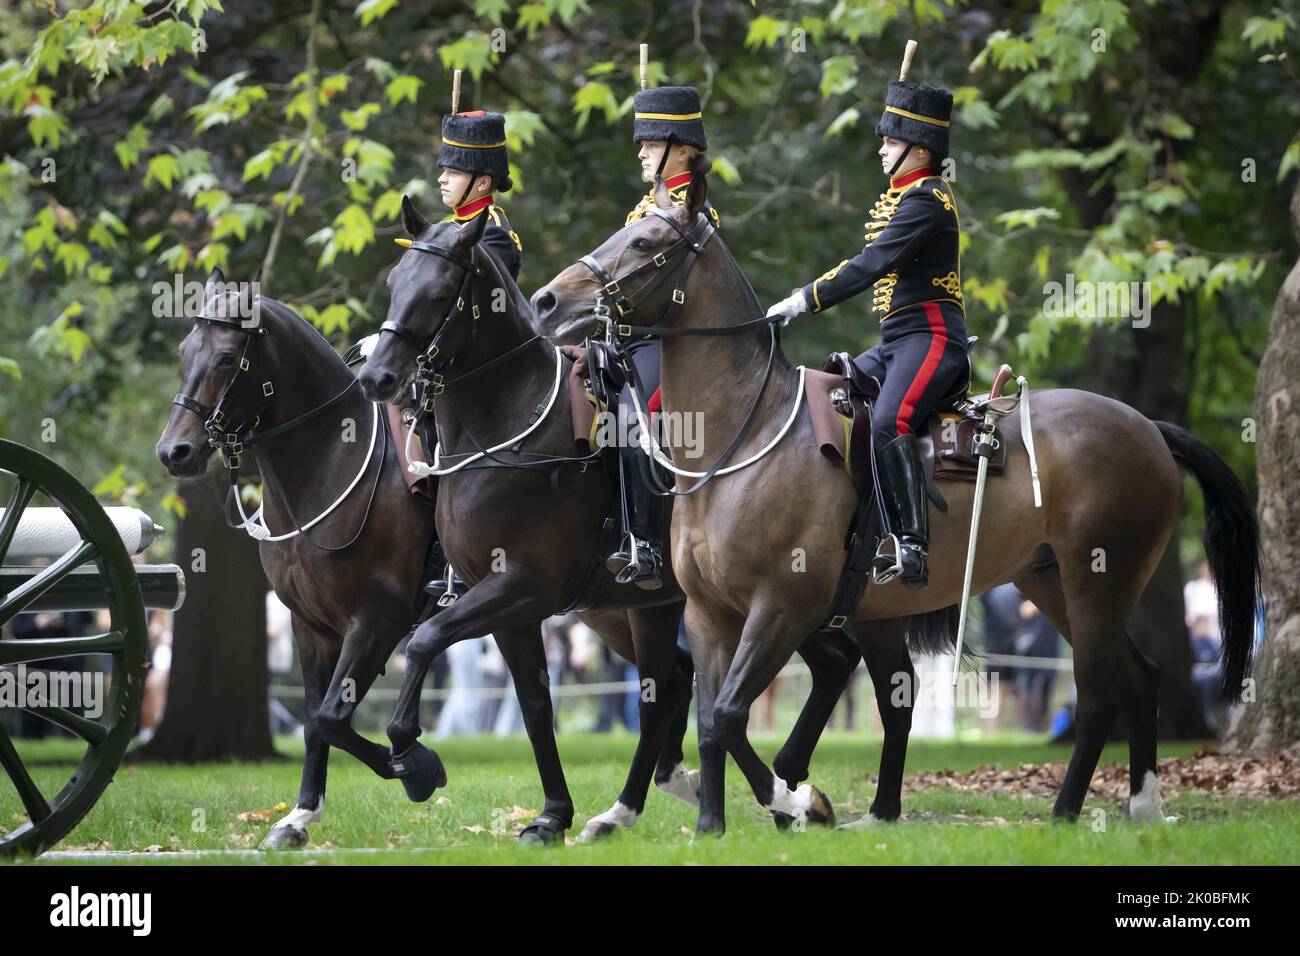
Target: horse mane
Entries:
(503, 279)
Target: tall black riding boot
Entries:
(907, 513)
(646, 513)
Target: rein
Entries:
(231, 442)
(430, 374)
(692, 244)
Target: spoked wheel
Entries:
(44, 817)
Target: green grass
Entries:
(369, 821)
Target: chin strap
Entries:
(472, 180)
(663, 158)
(899, 162)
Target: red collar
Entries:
(907, 179)
(678, 181)
(472, 208)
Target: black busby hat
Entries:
(672, 113)
(918, 114)
(475, 143)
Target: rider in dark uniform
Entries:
(474, 166)
(912, 261)
(669, 127)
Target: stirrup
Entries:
(885, 575)
(450, 594)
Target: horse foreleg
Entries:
(366, 648)
(494, 604)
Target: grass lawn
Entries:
(493, 789)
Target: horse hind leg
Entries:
(1143, 680)
(884, 649)
(671, 775)
(653, 635)
(831, 658)
(290, 831)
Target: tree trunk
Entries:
(1272, 720)
(217, 698)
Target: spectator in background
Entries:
(1035, 638)
(463, 710)
(1001, 621)
(159, 674)
(1201, 614)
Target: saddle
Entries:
(839, 399)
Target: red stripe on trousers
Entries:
(938, 341)
(655, 404)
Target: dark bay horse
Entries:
(351, 583)
(1112, 493)
(523, 525)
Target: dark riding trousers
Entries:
(911, 260)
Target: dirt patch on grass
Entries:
(1273, 776)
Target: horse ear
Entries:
(662, 198)
(698, 191)
(217, 277)
(412, 221)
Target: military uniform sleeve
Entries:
(640, 209)
(911, 226)
(501, 239)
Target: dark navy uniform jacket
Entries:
(911, 256)
(497, 235)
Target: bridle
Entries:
(690, 244)
(433, 359)
(229, 434)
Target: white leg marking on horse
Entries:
(619, 815)
(794, 803)
(868, 821)
(1145, 806)
(683, 784)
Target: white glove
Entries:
(368, 344)
(789, 308)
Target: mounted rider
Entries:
(668, 126)
(912, 262)
(475, 167)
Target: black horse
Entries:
(352, 584)
(526, 532)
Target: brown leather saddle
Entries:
(840, 398)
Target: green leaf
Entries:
(73, 255)
(368, 11)
(402, 88)
(111, 485)
(9, 367)
(726, 170)
(763, 32)
(594, 96)
(389, 205)
(353, 229)
(846, 120)
(128, 150)
(163, 169)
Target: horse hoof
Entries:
(820, 811)
(546, 830)
(868, 821)
(683, 784)
(284, 837)
(617, 817)
(420, 770)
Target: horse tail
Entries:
(1232, 546)
(935, 632)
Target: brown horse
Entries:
(351, 584)
(1110, 480)
(523, 524)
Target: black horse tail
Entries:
(1232, 546)
(935, 632)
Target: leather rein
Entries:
(690, 243)
(231, 438)
(432, 361)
